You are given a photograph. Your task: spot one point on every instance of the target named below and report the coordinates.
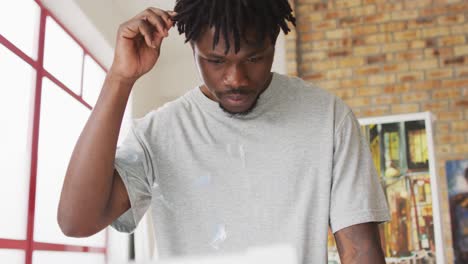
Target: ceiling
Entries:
(130, 8)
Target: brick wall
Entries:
(386, 57)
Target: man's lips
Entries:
(237, 99)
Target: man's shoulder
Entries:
(313, 96)
(177, 107)
(308, 92)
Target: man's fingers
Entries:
(159, 23)
(153, 24)
(171, 13)
(146, 30)
(151, 31)
(165, 15)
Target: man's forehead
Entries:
(248, 41)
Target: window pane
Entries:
(93, 78)
(11, 256)
(62, 119)
(63, 57)
(19, 23)
(55, 257)
(15, 136)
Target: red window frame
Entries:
(29, 245)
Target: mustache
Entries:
(236, 91)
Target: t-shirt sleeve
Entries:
(356, 192)
(134, 162)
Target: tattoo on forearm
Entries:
(360, 244)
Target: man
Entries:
(249, 158)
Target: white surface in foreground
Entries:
(280, 254)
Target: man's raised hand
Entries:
(139, 42)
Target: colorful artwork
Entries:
(401, 156)
(457, 179)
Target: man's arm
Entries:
(93, 194)
(360, 244)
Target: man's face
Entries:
(234, 80)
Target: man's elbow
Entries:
(73, 227)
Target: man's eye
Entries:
(254, 59)
(215, 61)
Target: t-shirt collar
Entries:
(263, 102)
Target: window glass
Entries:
(63, 57)
(56, 257)
(16, 104)
(12, 256)
(93, 78)
(19, 23)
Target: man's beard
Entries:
(240, 114)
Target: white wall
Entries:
(173, 75)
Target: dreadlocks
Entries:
(234, 17)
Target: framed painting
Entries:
(457, 182)
(403, 153)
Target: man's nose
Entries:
(236, 76)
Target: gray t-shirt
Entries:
(282, 174)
